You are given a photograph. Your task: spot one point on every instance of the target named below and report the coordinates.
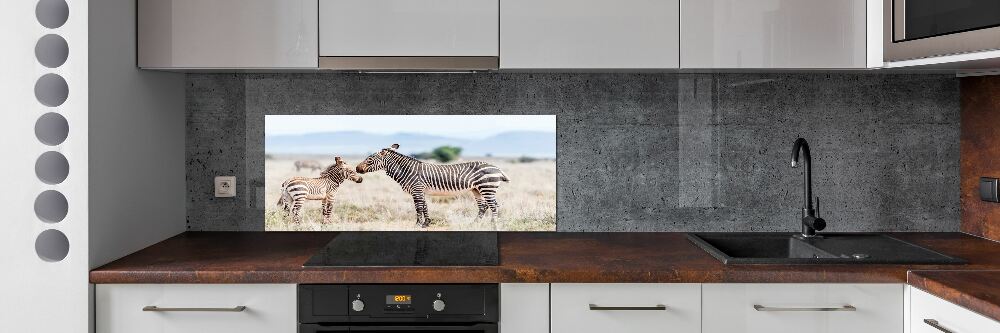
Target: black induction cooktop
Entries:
(409, 248)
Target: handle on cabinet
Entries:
(595, 307)
(776, 309)
(934, 323)
(159, 309)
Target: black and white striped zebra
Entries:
(418, 179)
(297, 190)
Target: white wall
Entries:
(125, 150)
(137, 192)
(37, 295)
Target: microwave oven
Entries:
(915, 29)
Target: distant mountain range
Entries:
(506, 144)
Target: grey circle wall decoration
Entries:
(51, 206)
(52, 245)
(52, 13)
(51, 90)
(51, 128)
(52, 167)
(51, 51)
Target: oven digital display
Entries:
(398, 299)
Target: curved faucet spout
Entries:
(802, 146)
(810, 222)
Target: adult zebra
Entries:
(417, 178)
(296, 190)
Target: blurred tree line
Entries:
(443, 154)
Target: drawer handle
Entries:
(159, 309)
(769, 308)
(934, 323)
(595, 307)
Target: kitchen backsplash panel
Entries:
(637, 152)
(980, 146)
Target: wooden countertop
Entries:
(978, 291)
(277, 257)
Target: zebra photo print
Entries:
(410, 172)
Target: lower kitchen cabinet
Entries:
(186, 308)
(569, 308)
(627, 307)
(930, 314)
(524, 307)
(803, 308)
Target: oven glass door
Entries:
(473, 328)
(916, 19)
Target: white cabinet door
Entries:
(426, 28)
(627, 307)
(227, 34)
(589, 34)
(524, 308)
(773, 34)
(802, 308)
(927, 310)
(270, 308)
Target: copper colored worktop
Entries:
(277, 257)
(978, 291)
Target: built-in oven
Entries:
(376, 308)
(916, 29)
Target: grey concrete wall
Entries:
(637, 152)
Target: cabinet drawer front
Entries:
(946, 315)
(524, 307)
(634, 308)
(803, 308)
(195, 308)
(430, 28)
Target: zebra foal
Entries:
(417, 178)
(297, 190)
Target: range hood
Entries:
(409, 35)
(410, 64)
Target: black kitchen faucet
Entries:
(810, 222)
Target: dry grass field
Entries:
(528, 201)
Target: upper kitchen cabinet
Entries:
(409, 34)
(219, 34)
(800, 34)
(589, 34)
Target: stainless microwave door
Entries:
(916, 29)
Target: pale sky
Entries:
(457, 126)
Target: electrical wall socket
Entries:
(225, 186)
(988, 189)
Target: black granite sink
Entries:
(832, 248)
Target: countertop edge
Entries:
(936, 282)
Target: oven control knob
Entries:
(438, 305)
(358, 305)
